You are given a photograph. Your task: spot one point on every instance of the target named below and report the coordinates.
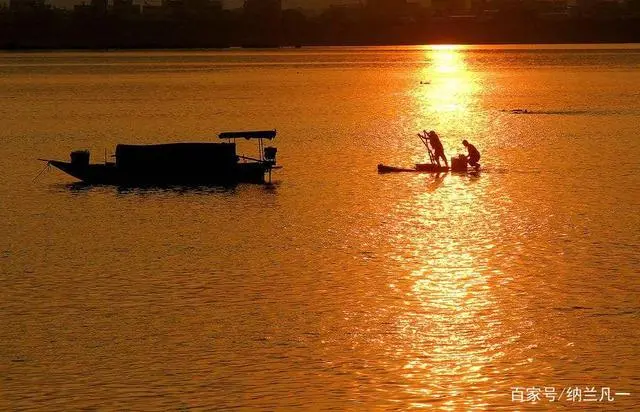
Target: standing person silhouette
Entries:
(474, 154)
(438, 150)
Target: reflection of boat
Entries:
(177, 163)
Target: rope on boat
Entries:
(46, 167)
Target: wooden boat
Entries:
(177, 163)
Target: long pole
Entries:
(425, 141)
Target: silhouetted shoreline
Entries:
(188, 48)
(54, 29)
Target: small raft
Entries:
(458, 165)
(419, 168)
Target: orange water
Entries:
(336, 287)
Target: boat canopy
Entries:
(256, 134)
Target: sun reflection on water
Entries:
(449, 89)
(453, 337)
(450, 330)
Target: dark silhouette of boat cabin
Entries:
(177, 163)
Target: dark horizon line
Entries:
(288, 47)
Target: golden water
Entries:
(336, 287)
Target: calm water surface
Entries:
(336, 287)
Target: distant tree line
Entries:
(203, 26)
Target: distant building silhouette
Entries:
(100, 24)
(125, 8)
(385, 4)
(263, 20)
(389, 6)
(22, 6)
(100, 6)
(266, 9)
(193, 8)
(387, 9)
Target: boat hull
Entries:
(110, 174)
(419, 168)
